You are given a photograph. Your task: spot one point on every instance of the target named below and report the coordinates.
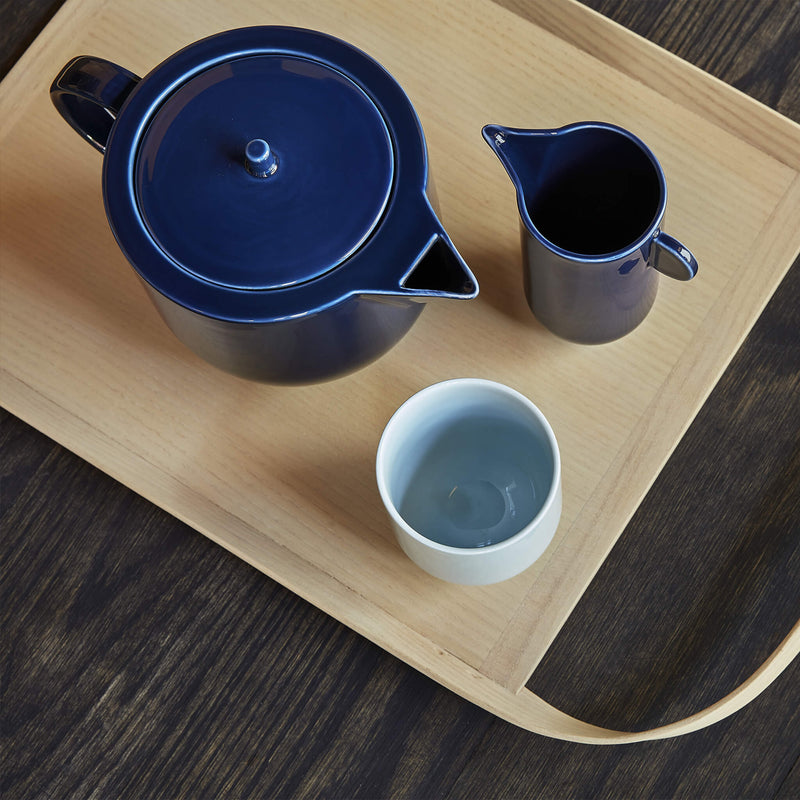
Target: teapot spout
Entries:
(429, 266)
(440, 271)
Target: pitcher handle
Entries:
(89, 93)
(671, 258)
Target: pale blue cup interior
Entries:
(475, 475)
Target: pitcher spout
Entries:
(523, 153)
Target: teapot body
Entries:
(325, 344)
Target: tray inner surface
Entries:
(284, 477)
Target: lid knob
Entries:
(259, 159)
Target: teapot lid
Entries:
(263, 171)
(267, 173)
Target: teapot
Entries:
(269, 185)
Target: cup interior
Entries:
(467, 465)
(598, 192)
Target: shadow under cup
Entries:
(469, 472)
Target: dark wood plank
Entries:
(141, 660)
(752, 46)
(790, 788)
(20, 22)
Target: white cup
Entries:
(470, 474)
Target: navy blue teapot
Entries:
(269, 187)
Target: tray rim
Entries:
(644, 61)
(512, 667)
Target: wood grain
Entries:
(402, 736)
(285, 478)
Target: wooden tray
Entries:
(284, 477)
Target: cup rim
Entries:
(500, 388)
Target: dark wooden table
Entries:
(139, 660)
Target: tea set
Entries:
(269, 186)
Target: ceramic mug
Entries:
(470, 473)
(591, 198)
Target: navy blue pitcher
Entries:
(591, 198)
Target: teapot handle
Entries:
(89, 93)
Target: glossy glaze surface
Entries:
(591, 198)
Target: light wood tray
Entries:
(284, 477)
